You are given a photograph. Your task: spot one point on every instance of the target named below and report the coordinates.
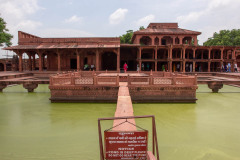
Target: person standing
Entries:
(235, 67)
(142, 66)
(125, 67)
(137, 67)
(178, 67)
(191, 67)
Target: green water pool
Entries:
(31, 128)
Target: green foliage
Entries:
(5, 38)
(141, 27)
(126, 38)
(224, 38)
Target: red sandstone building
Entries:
(159, 46)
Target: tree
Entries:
(224, 38)
(141, 28)
(127, 38)
(5, 38)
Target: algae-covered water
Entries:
(33, 128)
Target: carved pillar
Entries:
(194, 66)
(152, 38)
(5, 67)
(180, 40)
(78, 60)
(97, 60)
(170, 66)
(222, 54)
(33, 62)
(59, 61)
(184, 66)
(118, 59)
(209, 53)
(195, 41)
(139, 59)
(160, 40)
(20, 62)
(184, 52)
(29, 61)
(170, 53)
(173, 38)
(209, 65)
(194, 53)
(40, 61)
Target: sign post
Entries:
(126, 145)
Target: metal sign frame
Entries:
(154, 133)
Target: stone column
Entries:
(184, 52)
(194, 53)
(139, 58)
(118, 60)
(160, 40)
(33, 62)
(180, 40)
(97, 60)
(170, 66)
(209, 53)
(20, 62)
(194, 66)
(40, 61)
(195, 41)
(209, 65)
(222, 53)
(59, 61)
(29, 62)
(78, 60)
(184, 66)
(173, 38)
(5, 67)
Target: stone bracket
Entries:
(30, 86)
(215, 86)
(2, 86)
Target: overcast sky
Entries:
(112, 18)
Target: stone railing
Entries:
(83, 78)
(170, 79)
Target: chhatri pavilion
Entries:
(160, 44)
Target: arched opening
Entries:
(1, 67)
(146, 40)
(167, 40)
(156, 41)
(187, 40)
(109, 61)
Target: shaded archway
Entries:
(146, 40)
(109, 61)
(187, 40)
(1, 67)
